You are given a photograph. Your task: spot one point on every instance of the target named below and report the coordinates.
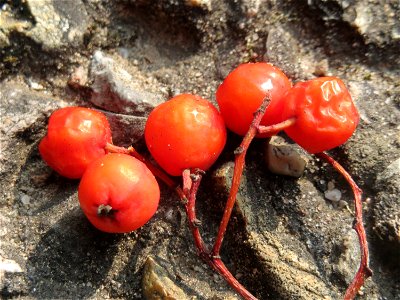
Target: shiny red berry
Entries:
(118, 193)
(76, 136)
(186, 132)
(243, 90)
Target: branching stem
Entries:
(240, 155)
(363, 271)
(214, 261)
(276, 127)
(187, 195)
(192, 188)
(154, 169)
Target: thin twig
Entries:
(240, 155)
(190, 207)
(276, 127)
(363, 271)
(214, 261)
(220, 267)
(187, 195)
(154, 169)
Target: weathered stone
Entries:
(157, 283)
(378, 22)
(283, 158)
(126, 130)
(9, 24)
(24, 114)
(386, 209)
(169, 47)
(349, 257)
(282, 256)
(58, 23)
(284, 50)
(117, 90)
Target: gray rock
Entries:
(23, 117)
(386, 210)
(349, 257)
(283, 158)
(126, 130)
(283, 257)
(378, 22)
(58, 23)
(9, 24)
(285, 50)
(117, 90)
(157, 283)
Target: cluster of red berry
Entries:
(185, 135)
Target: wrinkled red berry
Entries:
(326, 116)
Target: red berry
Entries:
(185, 132)
(243, 90)
(118, 193)
(325, 114)
(75, 137)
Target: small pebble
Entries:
(10, 266)
(283, 159)
(333, 195)
(331, 185)
(342, 204)
(25, 199)
(34, 85)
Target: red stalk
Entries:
(363, 271)
(192, 187)
(276, 127)
(240, 154)
(155, 170)
(187, 195)
(193, 180)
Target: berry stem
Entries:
(187, 182)
(187, 195)
(220, 267)
(273, 129)
(192, 181)
(240, 154)
(154, 169)
(192, 187)
(105, 210)
(363, 271)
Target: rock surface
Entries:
(377, 21)
(285, 240)
(284, 159)
(116, 90)
(157, 284)
(58, 23)
(386, 211)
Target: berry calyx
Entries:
(186, 132)
(324, 112)
(243, 90)
(118, 193)
(76, 136)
